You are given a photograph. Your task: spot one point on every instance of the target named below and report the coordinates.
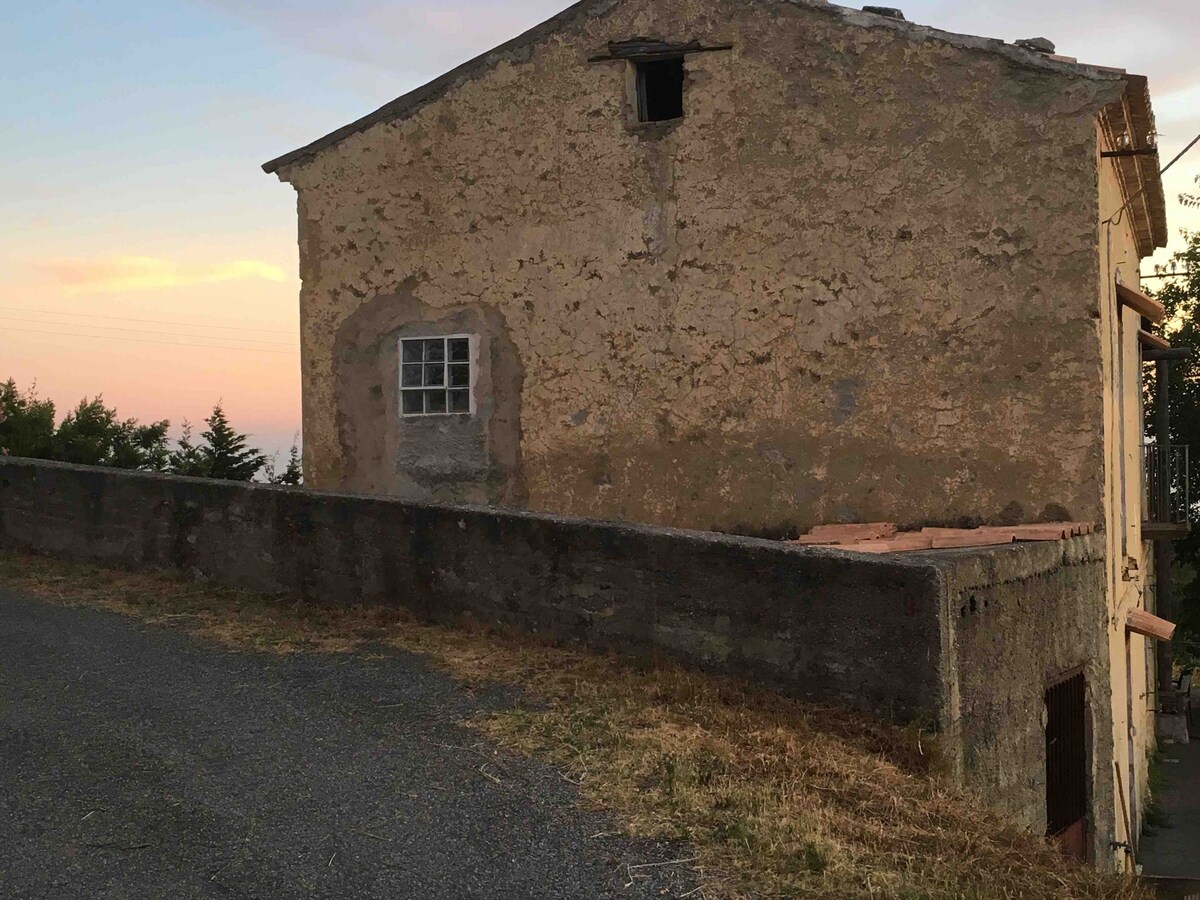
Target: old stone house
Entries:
(751, 266)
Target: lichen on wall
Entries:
(856, 281)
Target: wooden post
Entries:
(1164, 602)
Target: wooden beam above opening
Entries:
(648, 49)
(1144, 306)
(1153, 341)
(1150, 625)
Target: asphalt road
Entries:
(138, 762)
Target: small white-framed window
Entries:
(436, 376)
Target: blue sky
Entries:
(133, 132)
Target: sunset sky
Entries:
(147, 257)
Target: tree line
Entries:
(1180, 294)
(93, 434)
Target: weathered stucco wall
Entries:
(855, 282)
(1020, 619)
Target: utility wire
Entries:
(214, 337)
(113, 337)
(1116, 217)
(54, 312)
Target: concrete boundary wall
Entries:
(1019, 619)
(825, 626)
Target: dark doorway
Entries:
(1067, 766)
(660, 90)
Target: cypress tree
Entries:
(226, 453)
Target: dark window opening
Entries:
(1067, 766)
(660, 90)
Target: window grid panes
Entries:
(435, 376)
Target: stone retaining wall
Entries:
(822, 625)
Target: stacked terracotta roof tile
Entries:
(883, 537)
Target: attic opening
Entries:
(660, 89)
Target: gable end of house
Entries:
(519, 47)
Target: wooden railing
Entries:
(1168, 489)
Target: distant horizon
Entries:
(275, 443)
(147, 258)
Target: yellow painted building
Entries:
(1132, 225)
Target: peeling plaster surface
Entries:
(857, 281)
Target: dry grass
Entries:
(778, 799)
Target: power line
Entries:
(147, 331)
(1116, 217)
(54, 312)
(111, 337)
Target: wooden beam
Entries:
(979, 537)
(1150, 625)
(1050, 531)
(898, 544)
(1159, 531)
(882, 537)
(1145, 306)
(1153, 341)
(870, 531)
(1172, 353)
(1117, 154)
(646, 51)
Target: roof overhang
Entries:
(1141, 185)
(409, 103)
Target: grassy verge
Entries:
(778, 799)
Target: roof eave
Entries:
(1140, 175)
(414, 100)
(409, 103)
